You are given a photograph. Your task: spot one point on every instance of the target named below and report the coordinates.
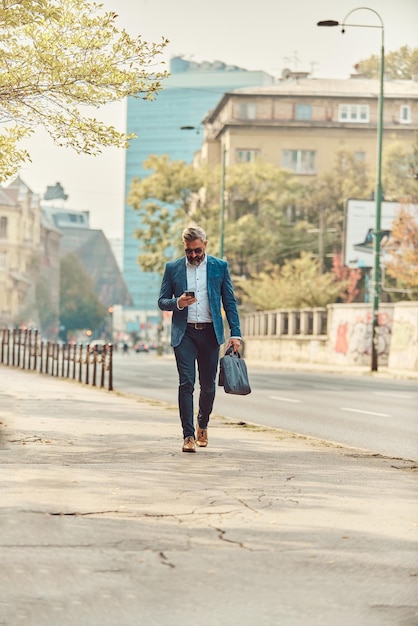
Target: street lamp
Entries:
(377, 234)
(222, 216)
(222, 212)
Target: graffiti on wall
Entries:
(354, 338)
(402, 336)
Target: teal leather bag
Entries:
(233, 374)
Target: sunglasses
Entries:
(195, 250)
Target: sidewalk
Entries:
(105, 522)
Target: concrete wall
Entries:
(404, 343)
(350, 333)
(340, 334)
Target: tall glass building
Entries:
(189, 93)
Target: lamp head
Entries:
(328, 23)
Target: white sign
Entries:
(359, 227)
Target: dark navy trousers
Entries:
(201, 347)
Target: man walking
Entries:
(193, 288)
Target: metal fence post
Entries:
(67, 348)
(80, 368)
(103, 363)
(94, 365)
(74, 358)
(35, 353)
(19, 346)
(87, 364)
(25, 338)
(110, 379)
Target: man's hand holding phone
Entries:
(186, 299)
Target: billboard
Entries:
(360, 220)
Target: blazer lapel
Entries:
(209, 274)
(182, 274)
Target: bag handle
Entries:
(230, 352)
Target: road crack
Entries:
(222, 537)
(164, 560)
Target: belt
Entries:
(200, 325)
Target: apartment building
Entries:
(300, 123)
(20, 249)
(34, 235)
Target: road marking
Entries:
(393, 395)
(284, 399)
(365, 412)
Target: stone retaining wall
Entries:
(339, 334)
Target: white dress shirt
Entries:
(197, 281)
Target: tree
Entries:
(399, 64)
(323, 201)
(348, 276)
(403, 263)
(164, 201)
(400, 172)
(258, 196)
(269, 215)
(80, 308)
(348, 178)
(261, 208)
(296, 284)
(48, 316)
(58, 56)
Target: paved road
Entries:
(376, 413)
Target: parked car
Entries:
(100, 343)
(141, 346)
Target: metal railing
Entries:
(26, 350)
(301, 323)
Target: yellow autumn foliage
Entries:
(58, 58)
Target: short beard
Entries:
(196, 261)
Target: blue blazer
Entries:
(220, 290)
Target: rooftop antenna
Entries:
(314, 66)
(293, 59)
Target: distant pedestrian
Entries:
(125, 348)
(193, 288)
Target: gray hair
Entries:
(192, 233)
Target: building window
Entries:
(300, 161)
(303, 112)
(3, 227)
(246, 156)
(3, 260)
(405, 116)
(357, 113)
(247, 111)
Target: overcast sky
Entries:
(267, 35)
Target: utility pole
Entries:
(321, 240)
(222, 215)
(377, 234)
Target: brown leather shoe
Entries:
(202, 437)
(189, 445)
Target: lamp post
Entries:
(222, 216)
(377, 234)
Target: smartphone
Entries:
(190, 294)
